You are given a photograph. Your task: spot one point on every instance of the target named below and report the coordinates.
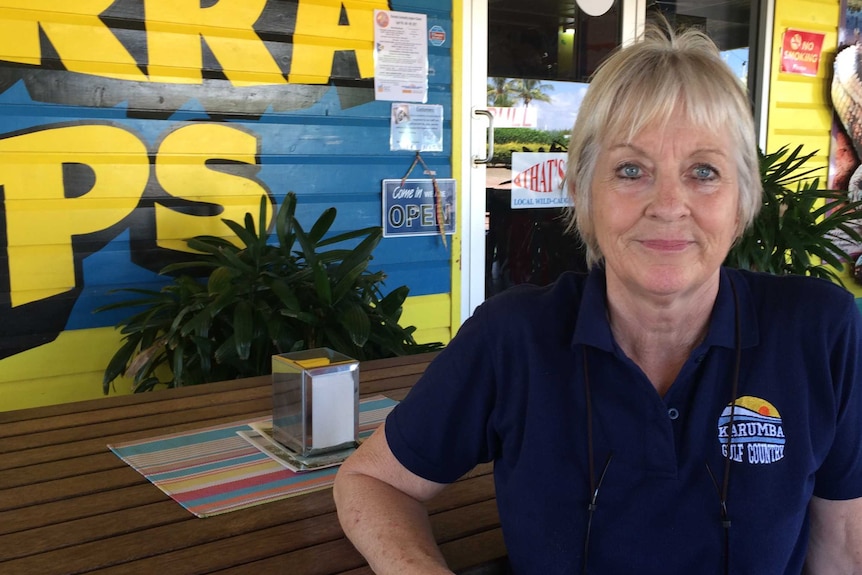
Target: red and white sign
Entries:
(525, 117)
(537, 180)
(801, 52)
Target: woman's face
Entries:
(665, 209)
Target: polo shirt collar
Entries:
(592, 326)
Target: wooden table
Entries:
(69, 505)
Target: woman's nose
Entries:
(669, 199)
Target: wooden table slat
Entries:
(474, 555)
(66, 510)
(59, 469)
(198, 417)
(339, 555)
(68, 488)
(479, 549)
(97, 405)
(107, 415)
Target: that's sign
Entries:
(538, 180)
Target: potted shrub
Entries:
(800, 227)
(261, 299)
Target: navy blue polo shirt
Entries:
(509, 388)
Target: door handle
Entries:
(490, 154)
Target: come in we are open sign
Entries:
(409, 207)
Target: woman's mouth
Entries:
(666, 245)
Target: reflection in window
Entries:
(727, 22)
(548, 39)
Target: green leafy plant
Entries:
(800, 225)
(261, 299)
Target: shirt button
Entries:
(699, 358)
(673, 413)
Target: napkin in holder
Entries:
(315, 412)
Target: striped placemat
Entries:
(213, 470)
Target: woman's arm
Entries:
(380, 507)
(835, 543)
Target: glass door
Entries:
(540, 57)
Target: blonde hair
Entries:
(663, 74)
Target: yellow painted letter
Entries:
(318, 36)
(183, 172)
(175, 29)
(43, 213)
(83, 41)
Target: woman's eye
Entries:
(705, 173)
(629, 171)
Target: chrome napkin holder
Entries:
(315, 413)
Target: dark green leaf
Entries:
(147, 384)
(286, 295)
(308, 247)
(263, 218)
(179, 363)
(355, 321)
(322, 225)
(284, 222)
(118, 363)
(249, 239)
(321, 284)
(391, 304)
(227, 351)
(219, 280)
(360, 254)
(348, 236)
(243, 328)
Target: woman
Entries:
(662, 414)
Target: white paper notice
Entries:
(332, 409)
(400, 56)
(416, 127)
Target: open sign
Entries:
(413, 208)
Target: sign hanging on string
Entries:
(419, 207)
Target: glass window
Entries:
(548, 39)
(728, 23)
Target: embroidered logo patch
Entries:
(757, 433)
